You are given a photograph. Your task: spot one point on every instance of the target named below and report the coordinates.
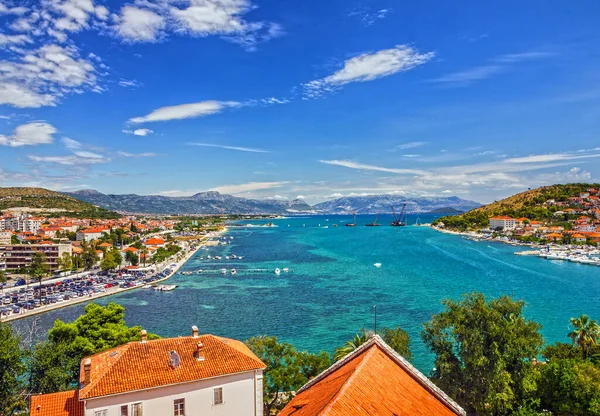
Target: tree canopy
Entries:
(484, 353)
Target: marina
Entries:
(582, 255)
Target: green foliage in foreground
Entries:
(12, 365)
(55, 363)
(484, 353)
(287, 369)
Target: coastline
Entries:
(113, 290)
(472, 235)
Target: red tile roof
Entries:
(142, 365)
(373, 380)
(65, 403)
(155, 241)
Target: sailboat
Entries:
(374, 223)
(352, 224)
(398, 220)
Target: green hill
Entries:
(56, 203)
(528, 204)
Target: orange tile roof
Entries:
(132, 249)
(142, 365)
(65, 403)
(502, 217)
(155, 241)
(105, 244)
(373, 380)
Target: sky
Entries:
(312, 100)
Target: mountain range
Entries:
(216, 203)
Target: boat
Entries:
(233, 272)
(277, 271)
(165, 288)
(352, 224)
(399, 221)
(374, 223)
(223, 271)
(285, 270)
(377, 264)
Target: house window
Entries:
(179, 407)
(100, 412)
(218, 395)
(136, 409)
(124, 411)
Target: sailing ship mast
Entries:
(352, 224)
(399, 221)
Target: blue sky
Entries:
(312, 99)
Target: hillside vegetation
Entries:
(56, 203)
(528, 204)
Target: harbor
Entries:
(577, 254)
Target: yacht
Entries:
(277, 271)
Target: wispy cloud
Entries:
(495, 66)
(248, 187)
(369, 16)
(368, 67)
(238, 148)
(183, 111)
(29, 134)
(410, 145)
(145, 154)
(139, 132)
(362, 166)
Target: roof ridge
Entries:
(93, 384)
(220, 339)
(346, 384)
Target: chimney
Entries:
(195, 331)
(144, 335)
(199, 353)
(87, 369)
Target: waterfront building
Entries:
(504, 222)
(372, 380)
(198, 374)
(20, 255)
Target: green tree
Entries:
(55, 362)
(3, 280)
(12, 369)
(287, 369)
(396, 338)
(108, 262)
(571, 388)
(89, 257)
(65, 262)
(561, 351)
(484, 353)
(585, 333)
(132, 258)
(38, 268)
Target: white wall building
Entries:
(197, 375)
(507, 223)
(24, 222)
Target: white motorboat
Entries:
(277, 271)
(377, 264)
(233, 272)
(223, 271)
(285, 270)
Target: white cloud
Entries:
(368, 67)
(496, 65)
(552, 157)
(139, 132)
(69, 160)
(139, 25)
(241, 149)
(248, 187)
(128, 83)
(29, 135)
(146, 154)
(18, 11)
(182, 111)
(148, 21)
(302, 197)
(13, 39)
(362, 166)
(410, 145)
(369, 16)
(41, 76)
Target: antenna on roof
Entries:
(375, 317)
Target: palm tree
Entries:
(359, 339)
(585, 334)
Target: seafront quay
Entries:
(21, 302)
(575, 254)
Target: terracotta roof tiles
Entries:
(65, 403)
(142, 365)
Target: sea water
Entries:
(332, 285)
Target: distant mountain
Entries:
(446, 211)
(54, 202)
(201, 203)
(373, 204)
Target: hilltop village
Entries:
(570, 220)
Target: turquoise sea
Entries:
(332, 286)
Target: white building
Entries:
(196, 375)
(503, 221)
(24, 222)
(5, 237)
(90, 234)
